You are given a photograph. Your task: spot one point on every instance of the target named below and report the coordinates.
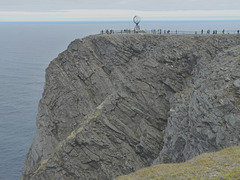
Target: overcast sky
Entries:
(112, 10)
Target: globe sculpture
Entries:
(136, 20)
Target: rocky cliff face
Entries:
(115, 103)
(206, 115)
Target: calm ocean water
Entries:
(26, 49)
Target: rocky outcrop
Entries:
(205, 116)
(107, 99)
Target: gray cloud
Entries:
(148, 5)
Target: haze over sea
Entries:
(26, 49)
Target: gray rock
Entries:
(236, 83)
(213, 112)
(107, 99)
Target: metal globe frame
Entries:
(137, 20)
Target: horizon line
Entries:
(122, 21)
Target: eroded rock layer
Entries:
(107, 100)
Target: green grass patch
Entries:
(224, 164)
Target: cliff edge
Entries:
(113, 104)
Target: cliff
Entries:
(113, 104)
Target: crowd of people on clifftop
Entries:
(160, 31)
(126, 31)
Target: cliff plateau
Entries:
(113, 104)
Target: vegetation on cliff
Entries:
(224, 164)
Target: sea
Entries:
(26, 49)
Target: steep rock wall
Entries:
(107, 100)
(205, 117)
